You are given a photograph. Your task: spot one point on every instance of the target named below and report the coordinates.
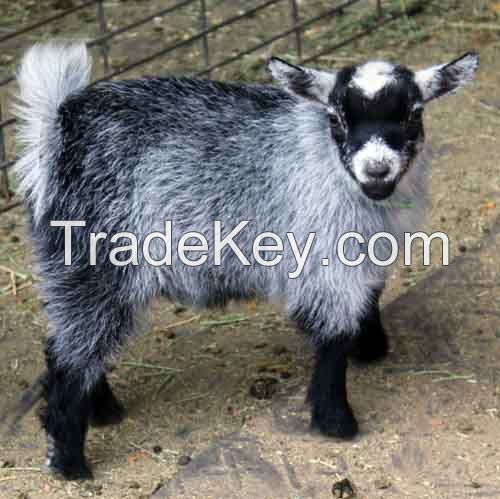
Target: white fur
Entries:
(372, 77)
(458, 73)
(47, 75)
(428, 81)
(322, 84)
(286, 161)
(376, 150)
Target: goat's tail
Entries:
(48, 73)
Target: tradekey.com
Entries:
(263, 253)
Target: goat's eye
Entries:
(335, 121)
(416, 115)
(338, 128)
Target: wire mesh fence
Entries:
(294, 27)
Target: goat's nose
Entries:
(377, 170)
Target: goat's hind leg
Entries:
(75, 389)
(65, 417)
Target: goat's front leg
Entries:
(105, 408)
(331, 413)
(330, 409)
(370, 343)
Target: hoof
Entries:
(336, 423)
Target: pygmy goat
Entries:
(327, 153)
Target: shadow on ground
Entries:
(444, 360)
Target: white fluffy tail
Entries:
(48, 73)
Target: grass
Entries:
(224, 321)
(148, 366)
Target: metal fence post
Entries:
(103, 29)
(204, 27)
(298, 31)
(4, 179)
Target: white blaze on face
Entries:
(372, 77)
(376, 150)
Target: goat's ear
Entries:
(304, 82)
(440, 80)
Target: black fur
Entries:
(65, 419)
(105, 408)
(370, 344)
(390, 114)
(330, 410)
(129, 155)
(450, 77)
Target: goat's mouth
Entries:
(378, 190)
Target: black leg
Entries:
(371, 342)
(65, 419)
(330, 410)
(105, 408)
(88, 325)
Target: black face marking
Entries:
(394, 115)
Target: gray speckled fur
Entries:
(130, 155)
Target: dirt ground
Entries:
(429, 413)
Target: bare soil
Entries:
(429, 414)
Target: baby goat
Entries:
(316, 155)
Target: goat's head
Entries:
(375, 112)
